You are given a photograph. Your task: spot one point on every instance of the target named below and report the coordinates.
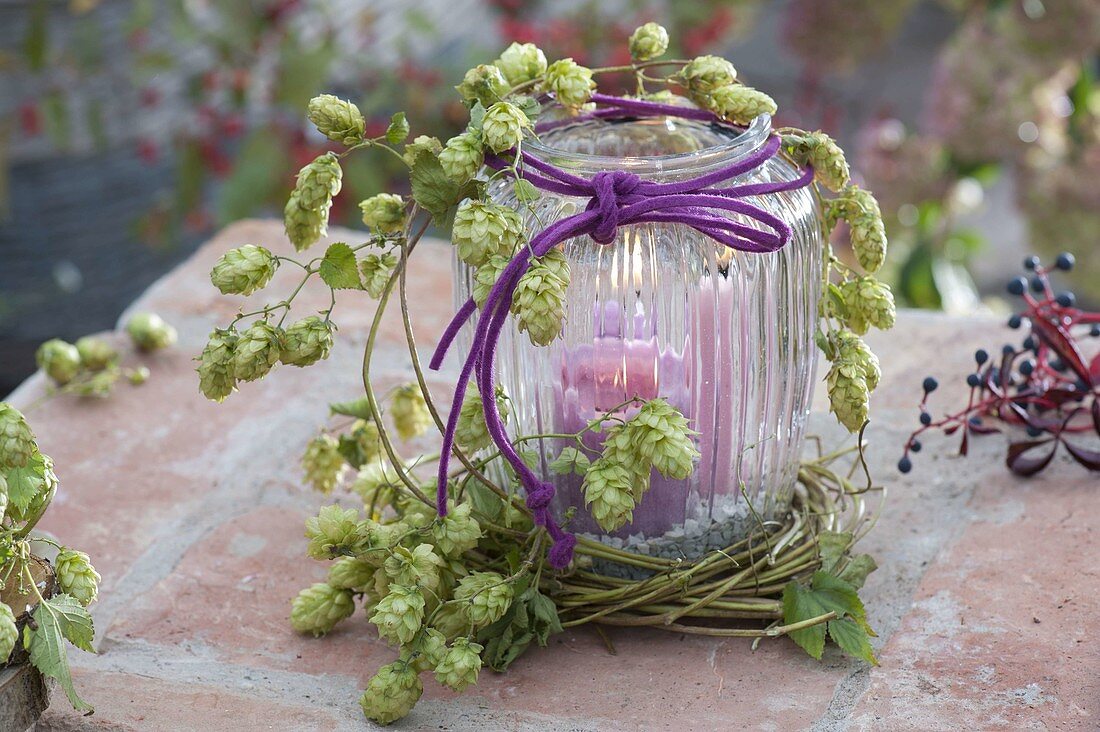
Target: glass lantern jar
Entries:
(727, 337)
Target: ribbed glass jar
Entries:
(725, 336)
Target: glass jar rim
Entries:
(747, 141)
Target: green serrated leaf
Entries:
(528, 105)
(433, 190)
(484, 500)
(832, 545)
(338, 268)
(74, 621)
(477, 116)
(525, 191)
(800, 603)
(571, 460)
(836, 594)
(25, 483)
(359, 408)
(852, 639)
(398, 129)
(530, 458)
(856, 571)
(56, 620)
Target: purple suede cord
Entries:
(616, 198)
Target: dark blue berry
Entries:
(1065, 299)
(1037, 284)
(1031, 262)
(915, 446)
(1080, 385)
(930, 384)
(905, 465)
(1094, 331)
(1065, 261)
(973, 380)
(1033, 431)
(1026, 367)
(1015, 321)
(925, 418)
(976, 421)
(1030, 343)
(1017, 286)
(981, 356)
(1058, 365)
(1008, 349)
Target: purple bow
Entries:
(616, 198)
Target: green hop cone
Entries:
(539, 299)
(849, 396)
(485, 596)
(457, 532)
(850, 348)
(400, 614)
(9, 634)
(76, 576)
(317, 609)
(869, 304)
(17, 443)
(660, 434)
(351, 573)
(486, 276)
(244, 270)
(820, 151)
(459, 668)
(410, 412)
(257, 350)
(304, 226)
(422, 144)
(868, 234)
(503, 125)
(569, 82)
(648, 42)
(521, 62)
(384, 212)
(96, 354)
(417, 567)
(306, 342)
(216, 379)
(483, 230)
(471, 432)
(377, 270)
(336, 531)
(427, 651)
(319, 181)
(462, 157)
(485, 84)
(609, 488)
(336, 119)
(375, 483)
(739, 104)
(149, 332)
(322, 463)
(368, 440)
(59, 360)
(705, 74)
(391, 693)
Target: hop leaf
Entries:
(257, 350)
(319, 181)
(335, 531)
(317, 609)
(59, 360)
(822, 152)
(384, 212)
(149, 332)
(377, 270)
(216, 379)
(569, 82)
(9, 634)
(399, 615)
(323, 464)
(486, 597)
(483, 230)
(503, 125)
(398, 129)
(705, 74)
(457, 532)
(485, 84)
(244, 270)
(76, 576)
(96, 354)
(351, 573)
(460, 667)
(521, 62)
(17, 443)
(417, 567)
(410, 412)
(539, 299)
(338, 268)
(29, 486)
(648, 42)
(304, 225)
(471, 432)
(609, 492)
(462, 157)
(739, 104)
(306, 342)
(337, 120)
(869, 303)
(391, 693)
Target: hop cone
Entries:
(609, 492)
(521, 62)
(399, 615)
(539, 299)
(17, 442)
(648, 42)
(335, 531)
(76, 576)
(869, 237)
(59, 360)
(457, 532)
(483, 230)
(351, 573)
(306, 342)
(149, 332)
(870, 303)
(414, 567)
(244, 270)
(377, 270)
(304, 225)
(503, 125)
(336, 119)
(317, 609)
(367, 439)
(740, 104)
(319, 181)
(375, 483)
(486, 276)
(485, 84)
(422, 144)
(391, 693)
(384, 212)
(462, 157)
(705, 74)
(851, 348)
(216, 379)
(459, 668)
(410, 412)
(660, 434)
(428, 650)
(322, 463)
(471, 432)
(826, 157)
(96, 354)
(9, 634)
(486, 596)
(849, 396)
(257, 351)
(569, 82)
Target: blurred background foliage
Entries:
(131, 129)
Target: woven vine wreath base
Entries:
(736, 591)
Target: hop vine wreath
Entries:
(465, 569)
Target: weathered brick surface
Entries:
(193, 512)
